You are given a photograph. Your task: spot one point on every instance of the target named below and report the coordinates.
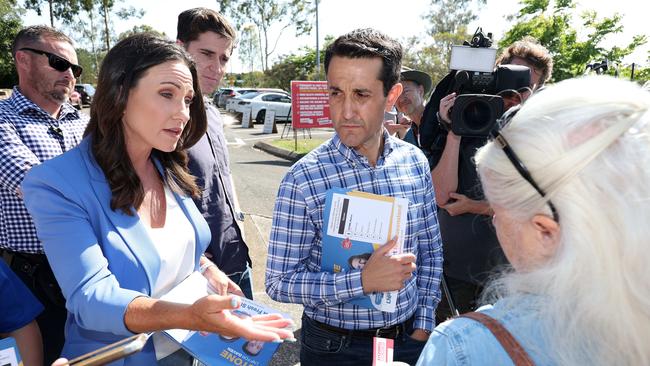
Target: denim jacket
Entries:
(463, 341)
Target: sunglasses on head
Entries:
(514, 159)
(56, 62)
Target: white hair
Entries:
(586, 142)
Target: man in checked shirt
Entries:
(362, 68)
(36, 124)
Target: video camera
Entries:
(477, 83)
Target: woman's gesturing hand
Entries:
(213, 313)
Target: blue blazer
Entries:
(102, 259)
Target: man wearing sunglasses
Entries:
(36, 124)
(471, 249)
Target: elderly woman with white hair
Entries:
(568, 178)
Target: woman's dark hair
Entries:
(365, 256)
(124, 65)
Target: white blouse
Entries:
(175, 243)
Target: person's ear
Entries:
(547, 233)
(393, 94)
(180, 43)
(22, 60)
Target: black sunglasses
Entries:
(56, 62)
(514, 159)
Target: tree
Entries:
(552, 27)
(448, 26)
(10, 25)
(293, 67)
(267, 13)
(106, 9)
(64, 10)
(143, 28)
(249, 46)
(87, 60)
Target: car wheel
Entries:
(260, 116)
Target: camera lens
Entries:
(477, 114)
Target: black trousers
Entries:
(465, 296)
(35, 272)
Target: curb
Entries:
(279, 152)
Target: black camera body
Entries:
(477, 85)
(477, 106)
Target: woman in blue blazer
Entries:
(115, 214)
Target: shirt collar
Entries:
(22, 104)
(353, 157)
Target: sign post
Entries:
(309, 106)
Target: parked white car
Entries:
(235, 104)
(262, 102)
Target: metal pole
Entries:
(317, 48)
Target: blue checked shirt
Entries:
(293, 272)
(28, 136)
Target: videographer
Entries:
(471, 249)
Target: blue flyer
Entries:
(355, 224)
(214, 349)
(9, 355)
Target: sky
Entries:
(337, 17)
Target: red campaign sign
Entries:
(310, 104)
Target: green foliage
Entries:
(10, 24)
(267, 13)
(88, 62)
(549, 22)
(66, 11)
(101, 12)
(448, 26)
(143, 28)
(294, 67)
(249, 47)
(552, 27)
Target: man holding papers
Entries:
(362, 72)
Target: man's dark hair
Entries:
(369, 43)
(193, 22)
(123, 67)
(529, 49)
(33, 35)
